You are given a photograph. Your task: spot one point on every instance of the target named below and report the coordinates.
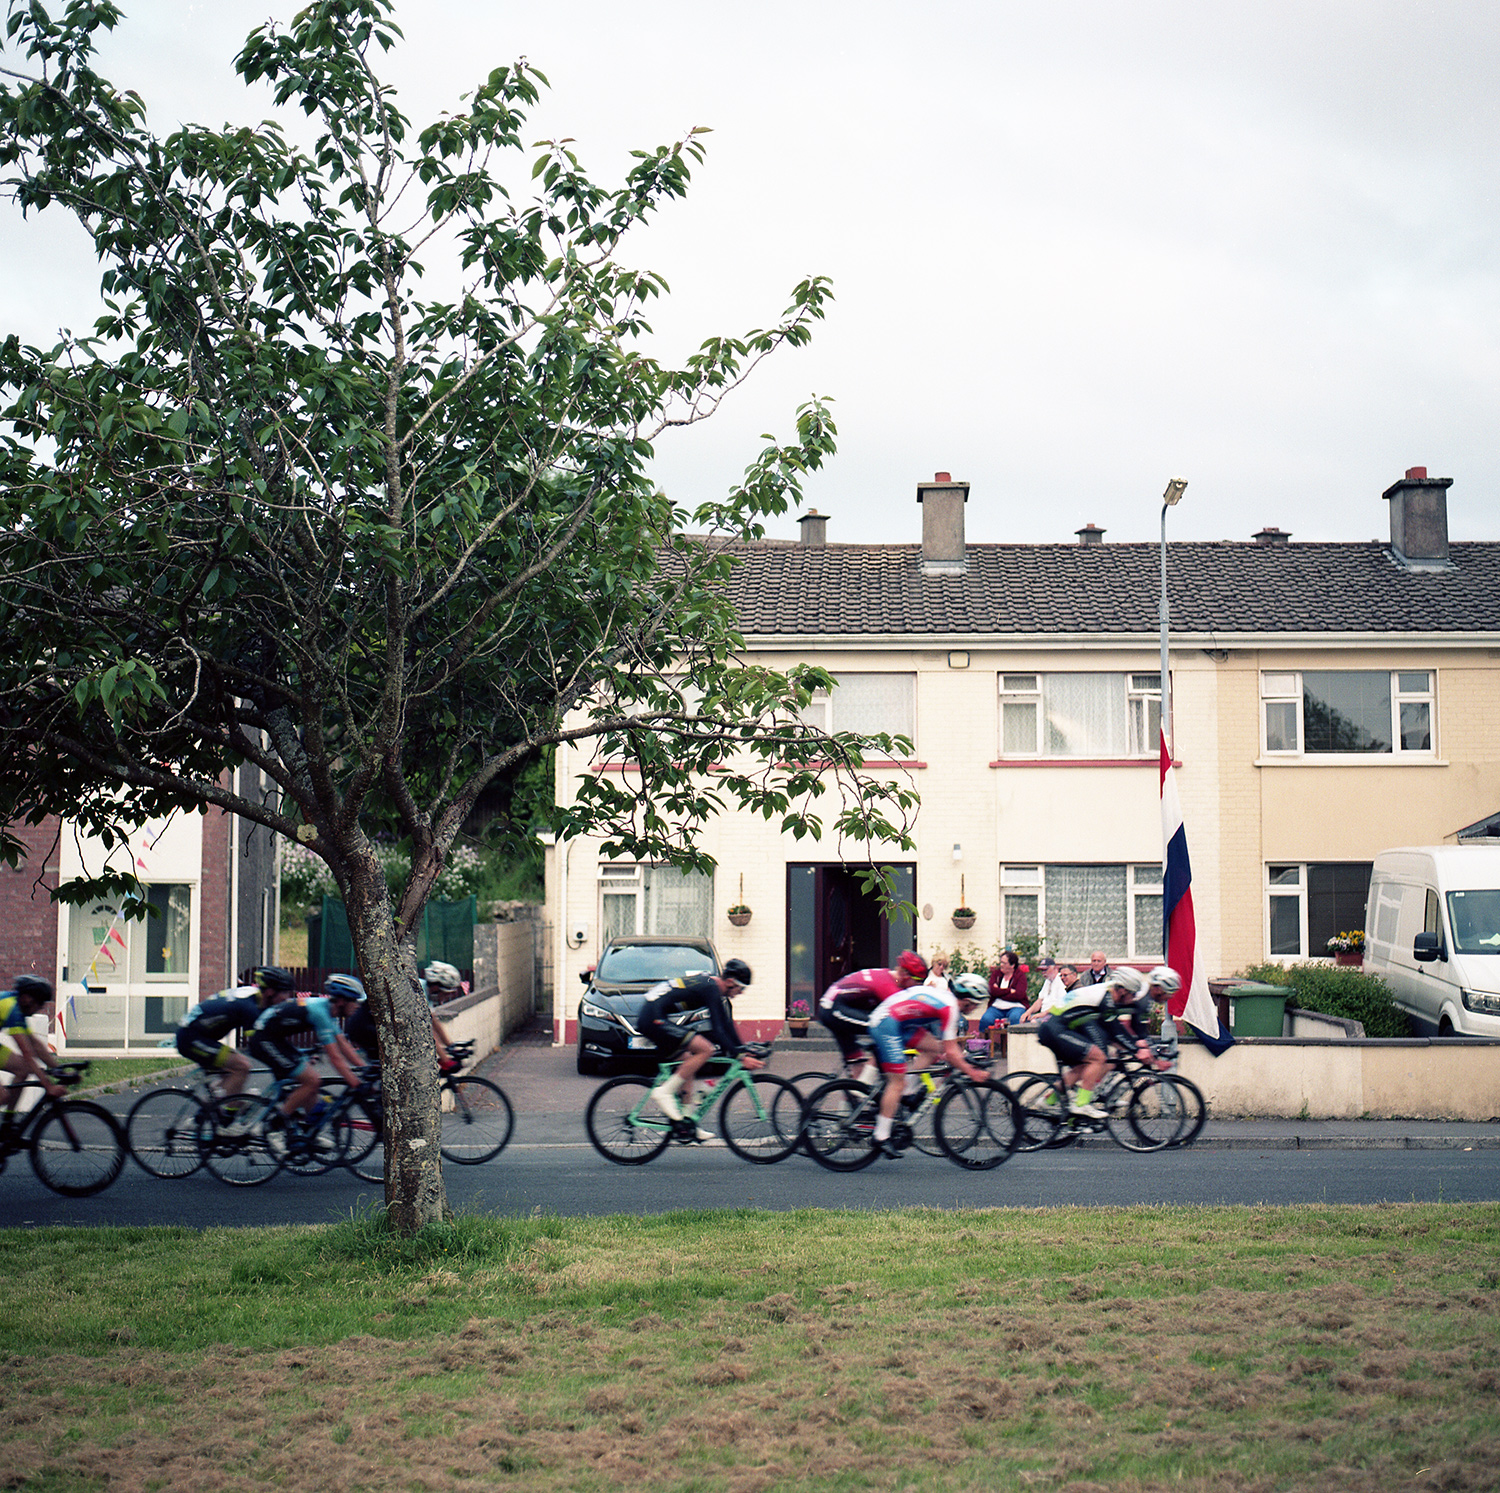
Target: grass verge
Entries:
(1222, 1348)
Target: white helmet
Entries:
(1131, 981)
(1166, 979)
(970, 987)
(443, 976)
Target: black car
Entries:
(607, 1037)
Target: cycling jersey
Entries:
(1092, 1018)
(360, 1030)
(12, 1017)
(900, 1017)
(313, 1015)
(861, 990)
(672, 999)
(222, 1013)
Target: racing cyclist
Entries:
(201, 1033)
(660, 1020)
(846, 1005)
(30, 1059)
(1118, 1010)
(926, 1018)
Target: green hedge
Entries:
(1348, 993)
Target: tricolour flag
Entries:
(1192, 1003)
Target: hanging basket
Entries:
(963, 919)
(739, 919)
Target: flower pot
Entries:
(1349, 958)
(796, 1028)
(959, 922)
(739, 919)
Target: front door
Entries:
(834, 927)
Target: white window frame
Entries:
(1142, 879)
(1281, 691)
(1019, 691)
(823, 710)
(1301, 892)
(628, 879)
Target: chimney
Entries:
(814, 527)
(942, 502)
(1090, 533)
(1272, 538)
(1419, 520)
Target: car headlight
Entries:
(1488, 1005)
(597, 1013)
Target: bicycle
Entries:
(1145, 1109)
(477, 1119)
(763, 1128)
(76, 1147)
(977, 1126)
(165, 1127)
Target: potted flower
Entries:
(1348, 948)
(739, 914)
(963, 914)
(799, 1013)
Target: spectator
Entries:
(1097, 972)
(1057, 990)
(1008, 998)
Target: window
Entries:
(654, 899)
(1079, 715)
(1077, 909)
(867, 704)
(1307, 903)
(1348, 712)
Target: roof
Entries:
(1215, 589)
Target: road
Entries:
(551, 1167)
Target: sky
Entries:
(1077, 248)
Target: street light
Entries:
(1170, 499)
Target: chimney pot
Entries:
(1272, 537)
(1090, 533)
(942, 502)
(814, 527)
(1419, 520)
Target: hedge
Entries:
(1333, 991)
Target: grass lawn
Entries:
(1213, 1348)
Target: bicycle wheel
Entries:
(360, 1131)
(1153, 1115)
(78, 1149)
(162, 1132)
(761, 1118)
(978, 1125)
(1043, 1104)
(479, 1124)
(1194, 1107)
(922, 1122)
(838, 1126)
(618, 1133)
(240, 1160)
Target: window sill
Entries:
(1078, 762)
(1354, 759)
(884, 764)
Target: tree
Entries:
(278, 509)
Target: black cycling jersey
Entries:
(673, 998)
(360, 1030)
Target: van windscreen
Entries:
(1475, 919)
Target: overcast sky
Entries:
(1077, 248)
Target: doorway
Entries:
(834, 926)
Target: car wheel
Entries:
(590, 1067)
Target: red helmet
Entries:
(913, 963)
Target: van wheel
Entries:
(1445, 1027)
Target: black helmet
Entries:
(33, 987)
(272, 977)
(344, 988)
(738, 971)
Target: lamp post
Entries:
(1173, 495)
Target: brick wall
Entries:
(28, 916)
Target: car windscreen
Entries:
(631, 963)
(1475, 917)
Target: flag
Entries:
(1192, 1003)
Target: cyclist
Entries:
(444, 983)
(201, 1031)
(30, 1059)
(359, 1025)
(271, 1042)
(1116, 1010)
(925, 1018)
(846, 1005)
(661, 1021)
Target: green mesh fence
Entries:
(447, 933)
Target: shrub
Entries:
(1348, 993)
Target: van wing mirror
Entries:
(1426, 947)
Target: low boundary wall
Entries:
(1339, 1078)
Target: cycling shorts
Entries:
(1072, 1044)
(846, 1025)
(208, 1052)
(670, 1038)
(284, 1062)
(892, 1038)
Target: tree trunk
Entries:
(414, 1193)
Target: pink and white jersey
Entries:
(864, 989)
(922, 1005)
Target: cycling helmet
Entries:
(1131, 981)
(33, 988)
(913, 963)
(344, 988)
(970, 987)
(272, 977)
(1166, 979)
(442, 976)
(738, 971)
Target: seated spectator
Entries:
(1007, 993)
(1057, 990)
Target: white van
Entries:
(1432, 933)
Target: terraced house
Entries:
(1329, 700)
